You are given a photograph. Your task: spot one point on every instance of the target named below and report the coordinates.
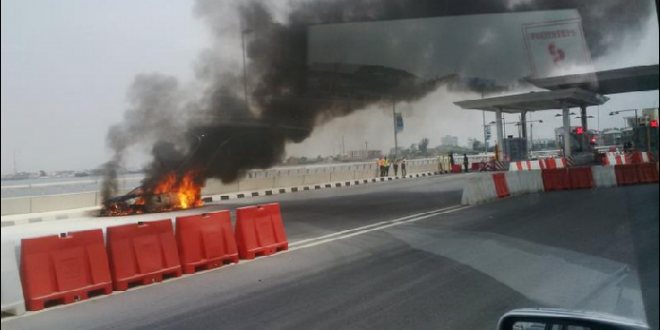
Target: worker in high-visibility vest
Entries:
(388, 164)
(381, 167)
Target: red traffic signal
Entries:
(579, 131)
(654, 123)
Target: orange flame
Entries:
(187, 191)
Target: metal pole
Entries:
(500, 134)
(396, 133)
(504, 126)
(585, 127)
(568, 152)
(531, 132)
(245, 78)
(485, 134)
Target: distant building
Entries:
(644, 118)
(358, 155)
(449, 141)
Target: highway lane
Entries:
(309, 213)
(459, 269)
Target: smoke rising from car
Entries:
(219, 134)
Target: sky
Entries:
(67, 65)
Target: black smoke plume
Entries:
(217, 134)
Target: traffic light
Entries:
(579, 131)
(654, 123)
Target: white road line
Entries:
(381, 227)
(372, 226)
(306, 244)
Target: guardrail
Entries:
(253, 181)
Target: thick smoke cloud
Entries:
(220, 135)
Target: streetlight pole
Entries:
(485, 132)
(396, 133)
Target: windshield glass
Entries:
(387, 164)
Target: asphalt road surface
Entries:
(405, 255)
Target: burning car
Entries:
(169, 193)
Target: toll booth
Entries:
(645, 138)
(516, 149)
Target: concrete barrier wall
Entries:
(12, 291)
(256, 184)
(15, 206)
(54, 203)
(216, 187)
(604, 176)
(342, 176)
(316, 179)
(479, 190)
(262, 180)
(289, 181)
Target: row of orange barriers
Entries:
(74, 267)
(574, 178)
(628, 175)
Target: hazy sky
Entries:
(67, 64)
(66, 67)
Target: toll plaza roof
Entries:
(634, 79)
(537, 101)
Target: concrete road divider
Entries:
(12, 291)
(581, 178)
(479, 190)
(532, 165)
(555, 163)
(206, 241)
(648, 173)
(556, 180)
(613, 160)
(604, 176)
(142, 254)
(521, 183)
(260, 231)
(626, 175)
(643, 158)
(64, 269)
(501, 186)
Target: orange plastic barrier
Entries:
(457, 169)
(260, 231)
(643, 158)
(142, 254)
(501, 186)
(64, 270)
(206, 241)
(581, 178)
(556, 180)
(627, 175)
(648, 173)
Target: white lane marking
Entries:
(373, 226)
(381, 227)
(312, 243)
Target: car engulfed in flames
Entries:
(169, 193)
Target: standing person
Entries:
(396, 167)
(381, 166)
(466, 163)
(404, 169)
(451, 160)
(387, 167)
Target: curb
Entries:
(316, 187)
